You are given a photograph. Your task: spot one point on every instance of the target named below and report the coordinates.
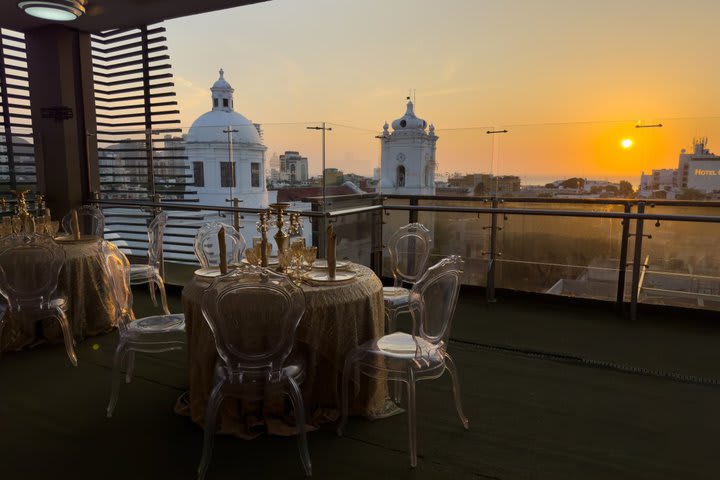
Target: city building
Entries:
(408, 156)
(481, 184)
(226, 154)
(293, 167)
(698, 170)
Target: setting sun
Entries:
(626, 143)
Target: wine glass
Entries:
(310, 255)
(251, 256)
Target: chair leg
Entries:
(347, 370)
(130, 366)
(67, 336)
(3, 320)
(299, 407)
(120, 353)
(412, 427)
(163, 296)
(450, 367)
(216, 398)
(151, 287)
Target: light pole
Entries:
(235, 202)
(229, 132)
(324, 129)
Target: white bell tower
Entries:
(408, 156)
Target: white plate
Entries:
(271, 261)
(322, 263)
(209, 272)
(321, 276)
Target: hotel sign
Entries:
(704, 175)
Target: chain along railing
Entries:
(626, 251)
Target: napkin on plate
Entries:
(330, 254)
(75, 225)
(223, 251)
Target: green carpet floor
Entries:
(552, 390)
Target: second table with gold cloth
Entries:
(338, 317)
(90, 308)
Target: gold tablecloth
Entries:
(338, 317)
(90, 309)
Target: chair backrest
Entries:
(90, 219)
(117, 268)
(30, 267)
(433, 299)
(155, 239)
(253, 313)
(409, 249)
(207, 249)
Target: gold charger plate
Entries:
(321, 263)
(72, 239)
(271, 261)
(321, 276)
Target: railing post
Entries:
(637, 255)
(155, 211)
(376, 259)
(622, 267)
(490, 289)
(413, 214)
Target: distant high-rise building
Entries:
(408, 156)
(293, 167)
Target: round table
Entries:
(338, 317)
(90, 309)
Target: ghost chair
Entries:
(154, 334)
(421, 355)
(253, 313)
(150, 273)
(207, 246)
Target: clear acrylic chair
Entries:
(409, 249)
(90, 220)
(150, 272)
(155, 334)
(207, 249)
(422, 355)
(253, 313)
(30, 267)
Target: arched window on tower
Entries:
(428, 175)
(225, 102)
(215, 102)
(401, 176)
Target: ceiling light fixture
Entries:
(56, 10)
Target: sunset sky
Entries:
(569, 79)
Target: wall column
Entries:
(63, 115)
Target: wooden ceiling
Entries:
(109, 14)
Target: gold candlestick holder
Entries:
(281, 236)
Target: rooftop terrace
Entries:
(553, 389)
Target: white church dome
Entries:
(409, 121)
(211, 127)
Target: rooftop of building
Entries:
(553, 389)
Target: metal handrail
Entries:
(495, 209)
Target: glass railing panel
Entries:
(561, 255)
(464, 234)
(683, 267)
